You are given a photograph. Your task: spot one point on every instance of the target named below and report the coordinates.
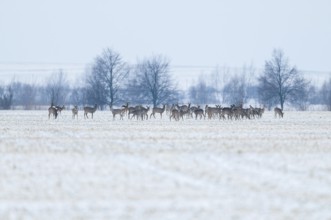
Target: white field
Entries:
(103, 169)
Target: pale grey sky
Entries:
(188, 32)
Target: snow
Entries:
(159, 169)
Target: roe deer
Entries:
(52, 111)
(185, 111)
(157, 110)
(140, 112)
(91, 110)
(126, 108)
(132, 110)
(74, 112)
(212, 111)
(199, 112)
(175, 114)
(226, 111)
(184, 108)
(119, 112)
(192, 109)
(278, 112)
(59, 108)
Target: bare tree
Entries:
(6, 97)
(235, 90)
(77, 96)
(107, 76)
(57, 88)
(24, 94)
(152, 82)
(218, 78)
(280, 82)
(326, 94)
(95, 91)
(303, 99)
(202, 93)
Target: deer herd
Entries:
(174, 112)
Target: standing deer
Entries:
(183, 107)
(119, 112)
(131, 109)
(278, 112)
(157, 110)
(52, 111)
(74, 112)
(192, 109)
(199, 112)
(226, 111)
(59, 108)
(140, 112)
(175, 114)
(91, 110)
(126, 108)
(212, 111)
(183, 110)
(186, 111)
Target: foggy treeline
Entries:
(112, 81)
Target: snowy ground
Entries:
(103, 169)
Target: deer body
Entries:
(140, 112)
(75, 112)
(59, 108)
(131, 109)
(183, 107)
(175, 114)
(199, 112)
(52, 111)
(119, 112)
(91, 110)
(226, 111)
(278, 112)
(157, 110)
(212, 111)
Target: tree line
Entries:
(279, 83)
(112, 81)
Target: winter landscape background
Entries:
(160, 169)
(237, 59)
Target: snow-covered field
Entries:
(193, 169)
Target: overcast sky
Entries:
(188, 32)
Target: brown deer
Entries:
(183, 107)
(140, 112)
(185, 111)
(212, 111)
(131, 109)
(199, 112)
(175, 114)
(278, 112)
(74, 112)
(119, 112)
(157, 110)
(91, 110)
(52, 111)
(226, 111)
(126, 108)
(59, 108)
